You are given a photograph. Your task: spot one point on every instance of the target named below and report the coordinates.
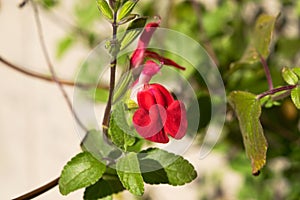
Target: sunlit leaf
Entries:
(82, 171)
(289, 76)
(126, 9)
(121, 134)
(248, 110)
(133, 30)
(129, 173)
(105, 9)
(296, 70)
(295, 95)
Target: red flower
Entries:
(141, 51)
(159, 115)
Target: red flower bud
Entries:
(138, 55)
(159, 115)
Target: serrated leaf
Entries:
(295, 95)
(248, 110)
(126, 9)
(289, 76)
(106, 186)
(159, 166)
(82, 171)
(129, 173)
(133, 30)
(121, 134)
(105, 9)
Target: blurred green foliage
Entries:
(225, 29)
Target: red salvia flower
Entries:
(159, 115)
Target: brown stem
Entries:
(46, 77)
(113, 64)
(50, 65)
(38, 191)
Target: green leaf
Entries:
(159, 166)
(106, 186)
(296, 70)
(263, 32)
(248, 111)
(82, 171)
(260, 42)
(105, 9)
(129, 173)
(128, 18)
(94, 143)
(63, 46)
(289, 76)
(132, 31)
(295, 95)
(121, 134)
(126, 9)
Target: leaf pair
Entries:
(291, 77)
(124, 10)
(153, 166)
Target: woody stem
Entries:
(113, 65)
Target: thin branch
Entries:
(113, 65)
(267, 72)
(50, 65)
(276, 90)
(23, 3)
(46, 77)
(39, 190)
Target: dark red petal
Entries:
(160, 137)
(162, 95)
(137, 57)
(176, 123)
(163, 60)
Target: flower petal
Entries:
(150, 124)
(145, 99)
(163, 60)
(176, 123)
(161, 94)
(138, 55)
